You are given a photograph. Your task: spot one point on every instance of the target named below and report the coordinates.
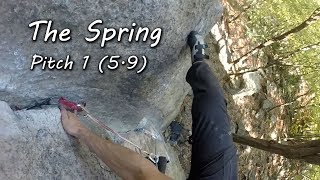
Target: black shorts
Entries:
(213, 151)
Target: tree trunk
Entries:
(306, 48)
(292, 101)
(311, 20)
(307, 151)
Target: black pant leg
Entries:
(213, 151)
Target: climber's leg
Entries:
(213, 151)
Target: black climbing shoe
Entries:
(176, 130)
(197, 46)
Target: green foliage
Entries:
(270, 18)
(274, 17)
(313, 172)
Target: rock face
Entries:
(120, 97)
(33, 145)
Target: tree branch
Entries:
(314, 17)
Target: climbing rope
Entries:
(107, 128)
